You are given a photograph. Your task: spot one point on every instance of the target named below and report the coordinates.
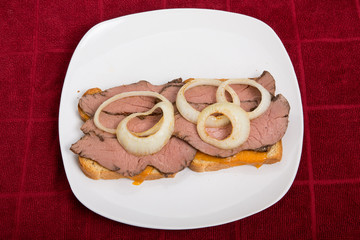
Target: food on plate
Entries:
(205, 163)
(100, 147)
(203, 124)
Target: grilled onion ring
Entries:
(190, 114)
(265, 95)
(155, 137)
(150, 144)
(118, 97)
(238, 118)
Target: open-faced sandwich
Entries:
(144, 132)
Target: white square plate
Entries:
(159, 46)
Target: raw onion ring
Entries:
(118, 97)
(190, 114)
(150, 144)
(155, 137)
(238, 118)
(265, 95)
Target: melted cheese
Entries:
(138, 179)
(256, 159)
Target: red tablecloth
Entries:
(37, 39)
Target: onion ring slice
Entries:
(238, 118)
(118, 97)
(265, 95)
(149, 141)
(152, 143)
(190, 114)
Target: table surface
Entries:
(36, 44)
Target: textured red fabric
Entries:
(48, 84)
(342, 210)
(329, 130)
(326, 82)
(37, 39)
(17, 26)
(327, 19)
(12, 153)
(15, 85)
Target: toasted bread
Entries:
(204, 163)
(201, 163)
(95, 171)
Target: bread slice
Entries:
(204, 163)
(201, 163)
(95, 171)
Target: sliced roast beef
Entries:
(177, 153)
(90, 103)
(265, 130)
(171, 89)
(202, 96)
(104, 148)
(135, 125)
(172, 158)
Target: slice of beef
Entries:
(267, 81)
(172, 158)
(171, 89)
(135, 125)
(202, 96)
(90, 103)
(199, 97)
(265, 130)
